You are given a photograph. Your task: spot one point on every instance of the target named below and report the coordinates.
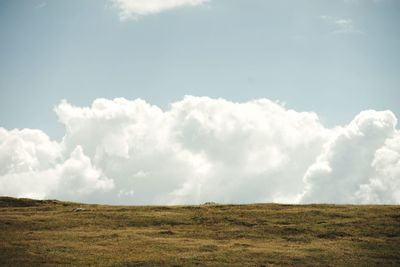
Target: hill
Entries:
(51, 232)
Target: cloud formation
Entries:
(355, 161)
(132, 9)
(203, 149)
(33, 166)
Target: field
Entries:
(37, 233)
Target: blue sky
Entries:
(332, 57)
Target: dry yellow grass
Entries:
(35, 233)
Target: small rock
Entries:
(79, 210)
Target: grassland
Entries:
(48, 233)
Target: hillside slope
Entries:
(52, 233)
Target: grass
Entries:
(48, 233)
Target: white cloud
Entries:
(203, 149)
(384, 185)
(344, 25)
(341, 25)
(33, 166)
(355, 160)
(132, 9)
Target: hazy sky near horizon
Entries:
(335, 58)
(189, 101)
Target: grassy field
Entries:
(36, 233)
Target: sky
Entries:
(293, 51)
(188, 101)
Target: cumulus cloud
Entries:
(384, 184)
(33, 166)
(356, 161)
(203, 149)
(132, 9)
